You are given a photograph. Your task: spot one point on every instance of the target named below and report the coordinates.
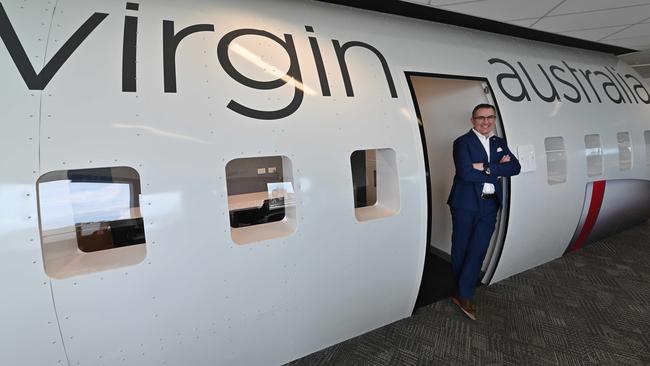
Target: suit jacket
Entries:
(468, 182)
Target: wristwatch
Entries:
(486, 168)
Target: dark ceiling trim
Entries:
(423, 12)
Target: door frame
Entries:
(502, 228)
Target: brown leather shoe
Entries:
(466, 306)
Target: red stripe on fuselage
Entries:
(597, 194)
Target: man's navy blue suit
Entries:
(473, 217)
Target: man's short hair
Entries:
(481, 106)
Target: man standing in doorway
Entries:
(481, 160)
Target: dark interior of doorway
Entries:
(437, 280)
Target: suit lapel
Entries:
(493, 149)
(478, 145)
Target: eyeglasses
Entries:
(491, 118)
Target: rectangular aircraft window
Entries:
(375, 183)
(646, 135)
(90, 220)
(594, 152)
(261, 198)
(624, 151)
(555, 160)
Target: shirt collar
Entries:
(481, 136)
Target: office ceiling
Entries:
(623, 23)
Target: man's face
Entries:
(483, 120)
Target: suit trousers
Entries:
(470, 239)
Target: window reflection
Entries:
(66, 203)
(86, 211)
(624, 150)
(556, 161)
(594, 153)
(260, 193)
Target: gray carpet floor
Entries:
(590, 307)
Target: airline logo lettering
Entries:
(575, 85)
(171, 40)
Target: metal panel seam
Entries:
(40, 122)
(58, 323)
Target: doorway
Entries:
(443, 105)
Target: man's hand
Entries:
(478, 166)
(505, 159)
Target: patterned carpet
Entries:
(591, 307)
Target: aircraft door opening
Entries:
(444, 106)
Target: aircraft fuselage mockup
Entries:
(215, 182)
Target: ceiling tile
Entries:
(639, 30)
(593, 34)
(504, 9)
(641, 43)
(583, 19)
(577, 6)
(604, 18)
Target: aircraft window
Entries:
(90, 220)
(624, 150)
(646, 135)
(555, 160)
(261, 198)
(375, 183)
(594, 152)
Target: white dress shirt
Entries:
(488, 188)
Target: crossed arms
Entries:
(473, 172)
